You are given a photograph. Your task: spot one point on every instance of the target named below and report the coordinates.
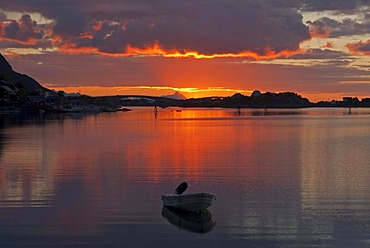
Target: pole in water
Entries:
(155, 111)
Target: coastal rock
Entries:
(9, 75)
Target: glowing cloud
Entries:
(157, 50)
(360, 47)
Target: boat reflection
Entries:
(199, 222)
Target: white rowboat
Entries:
(189, 202)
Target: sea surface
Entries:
(283, 178)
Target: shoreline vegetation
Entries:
(21, 93)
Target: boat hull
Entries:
(199, 222)
(189, 202)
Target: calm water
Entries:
(285, 178)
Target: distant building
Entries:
(35, 102)
(6, 93)
(72, 94)
(9, 90)
(348, 99)
(365, 102)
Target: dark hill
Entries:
(8, 75)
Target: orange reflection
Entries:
(105, 153)
(182, 145)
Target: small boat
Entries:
(123, 109)
(189, 202)
(199, 222)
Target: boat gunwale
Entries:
(190, 201)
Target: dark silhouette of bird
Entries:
(181, 188)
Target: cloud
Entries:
(248, 28)
(360, 47)
(325, 26)
(319, 29)
(23, 33)
(24, 30)
(2, 17)
(335, 5)
(208, 27)
(322, 54)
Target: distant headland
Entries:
(19, 92)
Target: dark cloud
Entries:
(335, 5)
(322, 54)
(319, 28)
(343, 27)
(365, 47)
(2, 17)
(207, 26)
(71, 16)
(356, 24)
(23, 30)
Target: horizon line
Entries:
(195, 93)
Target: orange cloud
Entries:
(2, 29)
(359, 47)
(157, 50)
(29, 41)
(328, 45)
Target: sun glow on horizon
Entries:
(188, 92)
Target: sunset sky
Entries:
(319, 49)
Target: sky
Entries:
(319, 49)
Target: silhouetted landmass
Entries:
(256, 100)
(265, 100)
(17, 79)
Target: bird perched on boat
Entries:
(181, 188)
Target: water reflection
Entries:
(267, 112)
(199, 222)
(220, 113)
(285, 181)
